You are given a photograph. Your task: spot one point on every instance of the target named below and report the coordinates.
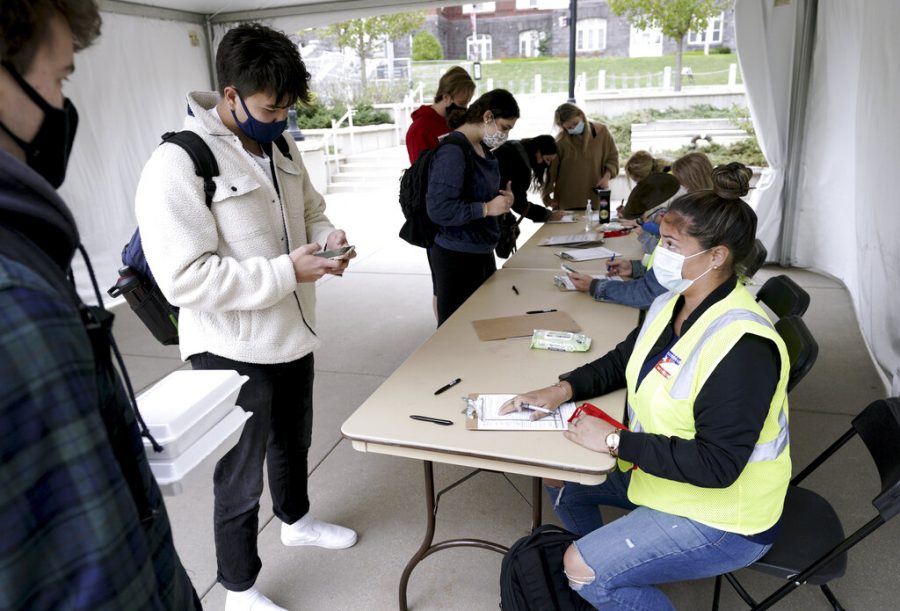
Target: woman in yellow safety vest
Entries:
(706, 375)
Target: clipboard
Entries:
(517, 421)
(523, 325)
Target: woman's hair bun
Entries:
(732, 180)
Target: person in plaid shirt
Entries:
(83, 521)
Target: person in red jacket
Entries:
(455, 89)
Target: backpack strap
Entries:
(205, 164)
(282, 145)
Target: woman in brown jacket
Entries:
(587, 158)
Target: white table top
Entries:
(532, 256)
(382, 424)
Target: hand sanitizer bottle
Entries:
(587, 216)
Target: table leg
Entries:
(429, 533)
(428, 547)
(537, 500)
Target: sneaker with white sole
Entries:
(310, 531)
(250, 600)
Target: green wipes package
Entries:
(562, 341)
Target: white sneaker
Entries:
(310, 531)
(250, 600)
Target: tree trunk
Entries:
(362, 50)
(678, 49)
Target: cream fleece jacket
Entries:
(227, 267)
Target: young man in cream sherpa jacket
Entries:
(243, 273)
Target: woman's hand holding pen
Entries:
(618, 267)
(547, 399)
(501, 204)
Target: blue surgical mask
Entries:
(264, 133)
(577, 130)
(667, 267)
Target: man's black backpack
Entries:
(532, 577)
(418, 229)
(136, 282)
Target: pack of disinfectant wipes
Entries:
(561, 341)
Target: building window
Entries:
(530, 43)
(713, 29)
(480, 48)
(590, 35)
(481, 7)
(543, 5)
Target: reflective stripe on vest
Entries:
(773, 449)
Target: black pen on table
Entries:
(515, 290)
(541, 311)
(448, 386)
(434, 420)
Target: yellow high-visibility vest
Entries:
(664, 405)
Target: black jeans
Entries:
(457, 275)
(279, 433)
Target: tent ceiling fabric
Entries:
(225, 11)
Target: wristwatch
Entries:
(612, 443)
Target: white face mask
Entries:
(495, 139)
(577, 130)
(667, 267)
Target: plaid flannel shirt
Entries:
(72, 536)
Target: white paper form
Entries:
(587, 254)
(489, 418)
(585, 237)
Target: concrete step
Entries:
(387, 176)
(361, 187)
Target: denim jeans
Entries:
(646, 547)
(279, 433)
(631, 555)
(578, 506)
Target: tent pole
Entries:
(210, 55)
(804, 43)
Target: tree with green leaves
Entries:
(674, 17)
(365, 34)
(426, 47)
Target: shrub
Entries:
(426, 47)
(747, 151)
(317, 116)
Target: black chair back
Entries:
(879, 428)
(783, 296)
(756, 259)
(802, 348)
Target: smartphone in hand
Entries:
(338, 253)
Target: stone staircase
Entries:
(374, 170)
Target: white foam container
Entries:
(183, 406)
(168, 473)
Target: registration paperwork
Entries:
(483, 414)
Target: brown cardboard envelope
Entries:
(523, 325)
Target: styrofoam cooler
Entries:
(190, 414)
(183, 406)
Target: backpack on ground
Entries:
(136, 282)
(532, 577)
(418, 229)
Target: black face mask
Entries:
(48, 152)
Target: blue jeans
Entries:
(578, 506)
(629, 556)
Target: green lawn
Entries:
(517, 74)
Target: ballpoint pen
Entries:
(611, 259)
(536, 408)
(434, 420)
(448, 386)
(540, 311)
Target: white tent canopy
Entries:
(821, 86)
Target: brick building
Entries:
(528, 28)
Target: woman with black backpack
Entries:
(465, 198)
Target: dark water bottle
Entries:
(129, 286)
(603, 205)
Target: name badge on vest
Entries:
(668, 365)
